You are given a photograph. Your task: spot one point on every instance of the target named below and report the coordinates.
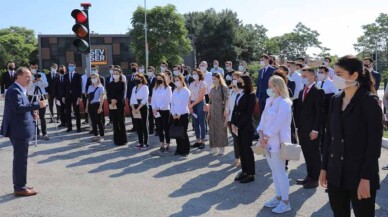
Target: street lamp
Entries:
(145, 36)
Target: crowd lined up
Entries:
(335, 113)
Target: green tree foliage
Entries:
(18, 44)
(167, 36)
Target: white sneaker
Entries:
(221, 151)
(213, 151)
(274, 202)
(100, 139)
(282, 208)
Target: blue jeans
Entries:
(199, 122)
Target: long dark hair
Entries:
(352, 64)
(248, 87)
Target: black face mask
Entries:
(11, 68)
(159, 82)
(134, 70)
(186, 72)
(62, 71)
(240, 85)
(137, 82)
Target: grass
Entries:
(386, 134)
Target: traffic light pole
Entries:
(145, 36)
(87, 56)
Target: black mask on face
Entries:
(240, 85)
(11, 67)
(137, 82)
(185, 72)
(62, 71)
(134, 70)
(159, 82)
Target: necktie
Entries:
(322, 84)
(11, 75)
(71, 76)
(262, 74)
(61, 79)
(306, 89)
(237, 98)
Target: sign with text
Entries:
(98, 56)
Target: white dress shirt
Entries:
(232, 102)
(276, 122)
(331, 72)
(297, 78)
(41, 84)
(161, 98)
(84, 81)
(139, 94)
(180, 101)
(209, 81)
(328, 86)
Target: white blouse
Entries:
(232, 102)
(139, 94)
(161, 98)
(180, 101)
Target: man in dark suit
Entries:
(262, 81)
(130, 85)
(73, 94)
(187, 74)
(309, 122)
(151, 84)
(51, 76)
(18, 125)
(8, 77)
(59, 92)
(368, 65)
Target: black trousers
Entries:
(50, 99)
(151, 120)
(42, 119)
(141, 125)
(20, 155)
(163, 126)
(84, 101)
(95, 117)
(340, 200)
(312, 155)
(246, 154)
(62, 112)
(118, 119)
(183, 145)
(72, 102)
(235, 143)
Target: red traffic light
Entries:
(79, 16)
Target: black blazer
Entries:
(59, 87)
(115, 90)
(377, 77)
(130, 84)
(291, 88)
(50, 80)
(151, 85)
(189, 80)
(73, 89)
(309, 114)
(242, 113)
(353, 141)
(6, 81)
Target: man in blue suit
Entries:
(262, 81)
(18, 125)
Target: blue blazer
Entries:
(262, 83)
(18, 121)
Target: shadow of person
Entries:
(7, 198)
(382, 198)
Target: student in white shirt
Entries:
(180, 113)
(216, 68)
(208, 79)
(139, 104)
(327, 63)
(231, 103)
(274, 129)
(294, 76)
(160, 103)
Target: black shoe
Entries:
(176, 153)
(85, 122)
(162, 149)
(91, 132)
(239, 177)
(302, 181)
(62, 125)
(51, 121)
(69, 130)
(150, 132)
(195, 145)
(247, 179)
(132, 130)
(79, 130)
(311, 184)
(201, 146)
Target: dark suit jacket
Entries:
(50, 80)
(291, 88)
(130, 85)
(377, 77)
(242, 113)
(59, 88)
(353, 141)
(6, 81)
(189, 80)
(262, 83)
(310, 112)
(151, 85)
(17, 120)
(73, 89)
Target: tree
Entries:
(375, 41)
(18, 44)
(167, 36)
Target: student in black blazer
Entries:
(130, 85)
(308, 119)
(73, 94)
(368, 64)
(8, 77)
(262, 81)
(350, 167)
(59, 93)
(151, 79)
(51, 76)
(187, 75)
(242, 126)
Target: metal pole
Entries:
(87, 56)
(376, 55)
(145, 36)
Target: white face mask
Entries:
(34, 71)
(141, 71)
(53, 70)
(270, 92)
(111, 71)
(203, 68)
(234, 82)
(321, 77)
(94, 71)
(162, 69)
(341, 83)
(116, 77)
(150, 74)
(228, 68)
(94, 80)
(241, 68)
(178, 84)
(176, 73)
(262, 63)
(215, 65)
(305, 81)
(196, 77)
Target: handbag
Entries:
(258, 150)
(288, 150)
(177, 132)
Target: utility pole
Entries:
(145, 36)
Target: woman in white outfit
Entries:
(274, 128)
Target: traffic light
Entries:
(81, 30)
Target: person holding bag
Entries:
(274, 129)
(180, 114)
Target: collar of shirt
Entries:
(23, 88)
(310, 86)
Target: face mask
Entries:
(262, 63)
(94, 80)
(176, 73)
(203, 68)
(133, 69)
(341, 83)
(71, 68)
(150, 74)
(141, 71)
(178, 83)
(137, 82)
(94, 71)
(159, 82)
(241, 68)
(229, 68)
(215, 65)
(270, 92)
(305, 81)
(196, 77)
(321, 77)
(11, 68)
(239, 85)
(234, 82)
(111, 71)
(116, 77)
(214, 82)
(34, 71)
(162, 69)
(53, 71)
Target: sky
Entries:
(337, 21)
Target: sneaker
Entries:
(144, 146)
(385, 167)
(45, 137)
(274, 202)
(207, 138)
(162, 149)
(213, 151)
(237, 163)
(282, 208)
(139, 145)
(201, 146)
(100, 139)
(85, 122)
(221, 151)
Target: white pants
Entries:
(279, 175)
